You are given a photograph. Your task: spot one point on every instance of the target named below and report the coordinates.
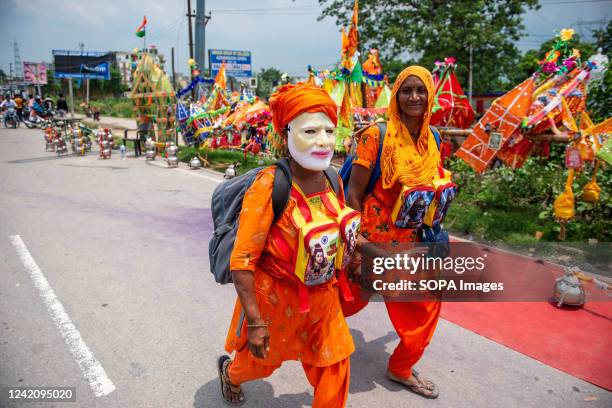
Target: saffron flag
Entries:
(140, 32)
(220, 78)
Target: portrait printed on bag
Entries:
(414, 209)
(320, 267)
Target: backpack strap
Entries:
(382, 129)
(332, 177)
(281, 189)
(436, 134)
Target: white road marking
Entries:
(190, 172)
(91, 368)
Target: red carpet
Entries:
(576, 341)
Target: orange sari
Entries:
(319, 338)
(402, 163)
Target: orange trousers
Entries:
(331, 384)
(414, 322)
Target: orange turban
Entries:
(289, 101)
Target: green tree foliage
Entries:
(267, 79)
(112, 87)
(434, 29)
(2, 76)
(54, 85)
(604, 38)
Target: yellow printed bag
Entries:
(319, 236)
(349, 221)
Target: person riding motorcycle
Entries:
(8, 107)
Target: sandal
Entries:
(228, 390)
(424, 388)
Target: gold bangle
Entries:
(256, 326)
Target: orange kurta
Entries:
(414, 322)
(319, 338)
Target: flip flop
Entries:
(225, 384)
(425, 388)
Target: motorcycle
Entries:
(10, 118)
(39, 121)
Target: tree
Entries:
(113, 86)
(267, 79)
(604, 38)
(434, 29)
(2, 76)
(54, 86)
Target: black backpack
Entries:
(226, 206)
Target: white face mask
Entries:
(311, 140)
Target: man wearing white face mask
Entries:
(285, 271)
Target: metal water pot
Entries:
(569, 290)
(150, 154)
(172, 150)
(173, 161)
(195, 163)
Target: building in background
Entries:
(482, 101)
(123, 63)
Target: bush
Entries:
(119, 107)
(504, 204)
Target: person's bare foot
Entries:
(416, 384)
(232, 394)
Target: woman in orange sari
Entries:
(279, 314)
(410, 157)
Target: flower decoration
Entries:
(552, 56)
(567, 34)
(549, 67)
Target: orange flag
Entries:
(353, 35)
(220, 78)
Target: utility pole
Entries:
(82, 48)
(189, 15)
(173, 73)
(200, 33)
(71, 97)
(470, 79)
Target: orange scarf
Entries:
(401, 159)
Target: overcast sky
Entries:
(288, 37)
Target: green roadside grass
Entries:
(221, 159)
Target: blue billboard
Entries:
(82, 64)
(237, 63)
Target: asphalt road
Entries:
(122, 247)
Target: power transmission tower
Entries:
(18, 66)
